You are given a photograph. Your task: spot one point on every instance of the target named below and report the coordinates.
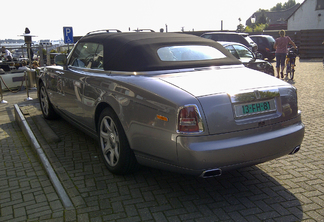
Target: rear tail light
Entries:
(189, 120)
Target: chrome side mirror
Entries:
(60, 60)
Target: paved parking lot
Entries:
(287, 189)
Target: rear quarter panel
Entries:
(138, 101)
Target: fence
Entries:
(38, 50)
(29, 77)
(309, 42)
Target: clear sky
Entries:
(46, 19)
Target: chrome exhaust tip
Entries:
(211, 173)
(295, 150)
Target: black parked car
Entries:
(248, 58)
(242, 38)
(265, 45)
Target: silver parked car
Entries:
(171, 101)
(248, 58)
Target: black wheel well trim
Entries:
(99, 109)
(39, 82)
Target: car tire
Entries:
(114, 146)
(45, 104)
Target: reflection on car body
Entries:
(171, 101)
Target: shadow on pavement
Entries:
(245, 194)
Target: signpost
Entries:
(68, 36)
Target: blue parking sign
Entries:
(68, 35)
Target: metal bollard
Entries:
(27, 80)
(2, 100)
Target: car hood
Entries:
(222, 80)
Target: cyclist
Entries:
(281, 51)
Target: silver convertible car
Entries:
(171, 101)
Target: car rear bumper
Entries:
(270, 55)
(235, 150)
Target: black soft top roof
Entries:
(138, 51)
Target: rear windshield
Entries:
(271, 39)
(189, 53)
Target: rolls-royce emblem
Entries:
(257, 94)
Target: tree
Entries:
(285, 6)
(289, 4)
(256, 28)
(240, 28)
(277, 8)
(262, 19)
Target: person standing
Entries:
(6, 54)
(23, 66)
(281, 51)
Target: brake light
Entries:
(189, 120)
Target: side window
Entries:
(222, 37)
(231, 49)
(207, 36)
(231, 38)
(215, 37)
(257, 40)
(242, 40)
(98, 58)
(243, 52)
(87, 55)
(320, 5)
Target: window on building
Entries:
(320, 5)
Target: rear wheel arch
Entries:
(100, 108)
(114, 146)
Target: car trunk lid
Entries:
(238, 98)
(221, 80)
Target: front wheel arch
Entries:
(45, 103)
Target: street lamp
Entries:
(253, 22)
(28, 42)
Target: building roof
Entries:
(296, 9)
(275, 18)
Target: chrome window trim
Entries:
(170, 71)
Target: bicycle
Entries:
(290, 63)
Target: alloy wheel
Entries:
(44, 100)
(109, 141)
